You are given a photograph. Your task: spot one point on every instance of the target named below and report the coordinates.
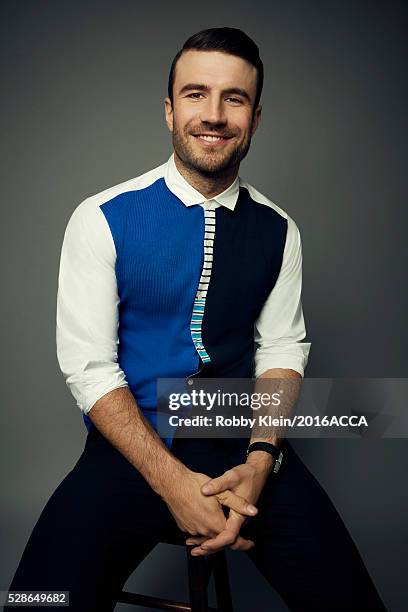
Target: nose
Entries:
(213, 111)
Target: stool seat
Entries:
(200, 570)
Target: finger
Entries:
(211, 545)
(242, 544)
(196, 540)
(237, 503)
(227, 536)
(228, 480)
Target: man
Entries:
(175, 274)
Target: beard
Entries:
(207, 162)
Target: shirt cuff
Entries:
(87, 387)
(296, 359)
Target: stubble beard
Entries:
(208, 163)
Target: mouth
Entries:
(212, 139)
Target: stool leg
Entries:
(221, 582)
(197, 582)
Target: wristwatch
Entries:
(270, 448)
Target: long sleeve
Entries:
(280, 327)
(87, 307)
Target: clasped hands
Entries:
(197, 506)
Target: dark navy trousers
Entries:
(104, 519)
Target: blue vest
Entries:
(159, 260)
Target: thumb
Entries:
(228, 480)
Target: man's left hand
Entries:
(246, 480)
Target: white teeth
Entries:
(211, 138)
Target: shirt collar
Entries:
(190, 196)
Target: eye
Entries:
(195, 95)
(234, 100)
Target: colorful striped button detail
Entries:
(199, 302)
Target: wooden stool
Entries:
(200, 570)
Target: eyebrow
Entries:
(230, 90)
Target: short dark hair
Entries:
(227, 40)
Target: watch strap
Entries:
(270, 448)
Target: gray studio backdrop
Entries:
(83, 84)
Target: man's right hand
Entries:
(197, 514)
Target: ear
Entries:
(168, 111)
(256, 119)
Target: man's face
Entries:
(212, 117)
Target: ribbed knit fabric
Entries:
(157, 282)
(159, 246)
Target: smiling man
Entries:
(187, 271)
(215, 118)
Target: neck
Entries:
(209, 185)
